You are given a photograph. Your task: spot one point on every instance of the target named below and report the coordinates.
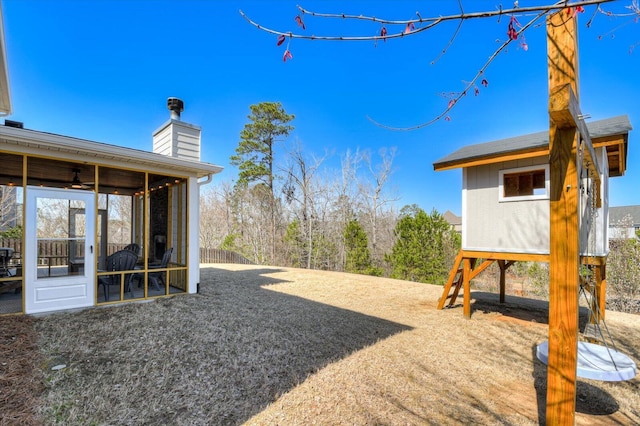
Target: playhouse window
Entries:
(528, 183)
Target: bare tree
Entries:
(119, 223)
(10, 207)
(216, 217)
(300, 189)
(374, 195)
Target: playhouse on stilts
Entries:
(544, 197)
(508, 181)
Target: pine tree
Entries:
(255, 152)
(422, 244)
(358, 256)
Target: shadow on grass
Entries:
(521, 308)
(590, 399)
(218, 357)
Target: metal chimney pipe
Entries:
(176, 106)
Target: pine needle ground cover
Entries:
(281, 346)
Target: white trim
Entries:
(193, 229)
(464, 206)
(64, 292)
(65, 147)
(5, 92)
(545, 196)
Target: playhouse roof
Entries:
(611, 133)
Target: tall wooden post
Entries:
(466, 306)
(564, 258)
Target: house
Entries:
(624, 222)
(506, 194)
(84, 223)
(453, 220)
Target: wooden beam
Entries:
(564, 257)
(504, 265)
(480, 268)
(494, 255)
(564, 263)
(564, 111)
(601, 288)
(466, 308)
(503, 279)
(491, 159)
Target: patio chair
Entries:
(155, 277)
(6, 253)
(123, 260)
(133, 247)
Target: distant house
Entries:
(454, 221)
(506, 199)
(624, 222)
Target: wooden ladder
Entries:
(457, 278)
(455, 281)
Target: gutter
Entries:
(208, 179)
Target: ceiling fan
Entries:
(76, 183)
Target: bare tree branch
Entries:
(429, 22)
(454, 100)
(453, 37)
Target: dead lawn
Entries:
(281, 346)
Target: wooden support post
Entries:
(564, 260)
(503, 279)
(467, 287)
(601, 288)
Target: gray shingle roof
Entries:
(616, 214)
(533, 141)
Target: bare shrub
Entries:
(538, 279)
(623, 275)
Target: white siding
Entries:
(523, 226)
(178, 139)
(489, 225)
(162, 141)
(594, 241)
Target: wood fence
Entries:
(209, 255)
(56, 252)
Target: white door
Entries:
(59, 263)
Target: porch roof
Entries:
(611, 133)
(84, 151)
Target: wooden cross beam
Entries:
(566, 131)
(564, 113)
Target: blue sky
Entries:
(103, 69)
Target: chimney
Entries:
(175, 138)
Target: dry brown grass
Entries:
(20, 378)
(284, 346)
